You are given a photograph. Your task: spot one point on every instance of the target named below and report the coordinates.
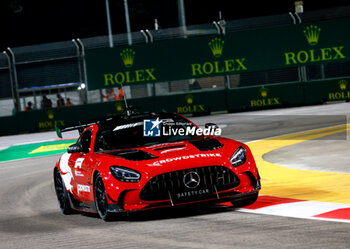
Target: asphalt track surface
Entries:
(30, 217)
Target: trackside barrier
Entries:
(238, 52)
(331, 90)
(195, 103)
(263, 97)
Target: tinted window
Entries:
(85, 140)
(130, 135)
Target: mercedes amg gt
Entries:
(148, 160)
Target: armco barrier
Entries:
(238, 99)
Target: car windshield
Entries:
(133, 134)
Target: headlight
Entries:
(125, 174)
(239, 157)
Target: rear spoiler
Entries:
(81, 127)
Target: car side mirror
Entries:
(211, 126)
(74, 148)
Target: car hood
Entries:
(196, 152)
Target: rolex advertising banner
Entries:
(262, 97)
(196, 103)
(192, 103)
(328, 90)
(233, 53)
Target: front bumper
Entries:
(248, 185)
(218, 198)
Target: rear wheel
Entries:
(245, 202)
(62, 193)
(101, 199)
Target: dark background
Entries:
(26, 22)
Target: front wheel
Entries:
(62, 193)
(101, 199)
(245, 202)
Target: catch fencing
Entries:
(27, 73)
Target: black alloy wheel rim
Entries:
(60, 191)
(101, 198)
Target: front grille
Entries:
(161, 187)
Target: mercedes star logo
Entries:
(191, 179)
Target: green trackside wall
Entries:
(234, 53)
(195, 103)
(41, 120)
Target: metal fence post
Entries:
(150, 35)
(293, 18)
(84, 68)
(302, 68)
(323, 75)
(15, 80)
(297, 15)
(302, 73)
(182, 15)
(127, 20)
(144, 35)
(227, 82)
(11, 78)
(79, 60)
(109, 25)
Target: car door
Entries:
(80, 164)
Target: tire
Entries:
(245, 202)
(62, 194)
(101, 199)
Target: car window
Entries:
(130, 135)
(99, 142)
(85, 140)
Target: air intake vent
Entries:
(170, 147)
(133, 155)
(206, 144)
(211, 177)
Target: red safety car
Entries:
(141, 161)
